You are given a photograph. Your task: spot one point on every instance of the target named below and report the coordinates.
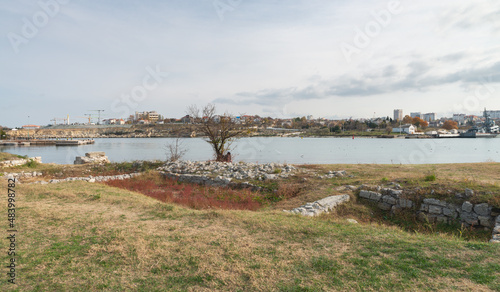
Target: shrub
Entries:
(31, 163)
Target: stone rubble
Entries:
(20, 161)
(22, 174)
(219, 181)
(321, 206)
(90, 179)
(332, 174)
(228, 171)
(92, 157)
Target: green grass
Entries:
(71, 240)
(4, 156)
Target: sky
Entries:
(333, 59)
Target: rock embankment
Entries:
(321, 206)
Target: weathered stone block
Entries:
(469, 218)
(435, 202)
(95, 154)
(405, 203)
(467, 207)
(469, 192)
(435, 209)
(482, 209)
(391, 192)
(450, 213)
(496, 230)
(389, 200)
(384, 206)
(485, 221)
(365, 194)
(424, 208)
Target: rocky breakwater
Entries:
(321, 206)
(215, 173)
(92, 157)
(432, 210)
(20, 161)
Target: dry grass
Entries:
(7, 156)
(86, 237)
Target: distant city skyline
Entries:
(284, 59)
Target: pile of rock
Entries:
(218, 181)
(322, 206)
(224, 170)
(332, 174)
(92, 157)
(20, 161)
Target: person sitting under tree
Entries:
(227, 157)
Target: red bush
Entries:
(193, 196)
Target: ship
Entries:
(488, 130)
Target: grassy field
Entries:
(78, 236)
(7, 156)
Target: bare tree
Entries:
(175, 150)
(220, 130)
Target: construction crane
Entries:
(99, 115)
(56, 119)
(87, 118)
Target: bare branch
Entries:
(220, 131)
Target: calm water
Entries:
(289, 150)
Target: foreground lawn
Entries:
(85, 237)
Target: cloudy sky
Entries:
(333, 59)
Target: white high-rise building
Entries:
(429, 117)
(398, 114)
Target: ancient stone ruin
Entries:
(92, 157)
(437, 211)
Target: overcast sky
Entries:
(333, 59)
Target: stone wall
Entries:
(437, 211)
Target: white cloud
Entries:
(264, 56)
